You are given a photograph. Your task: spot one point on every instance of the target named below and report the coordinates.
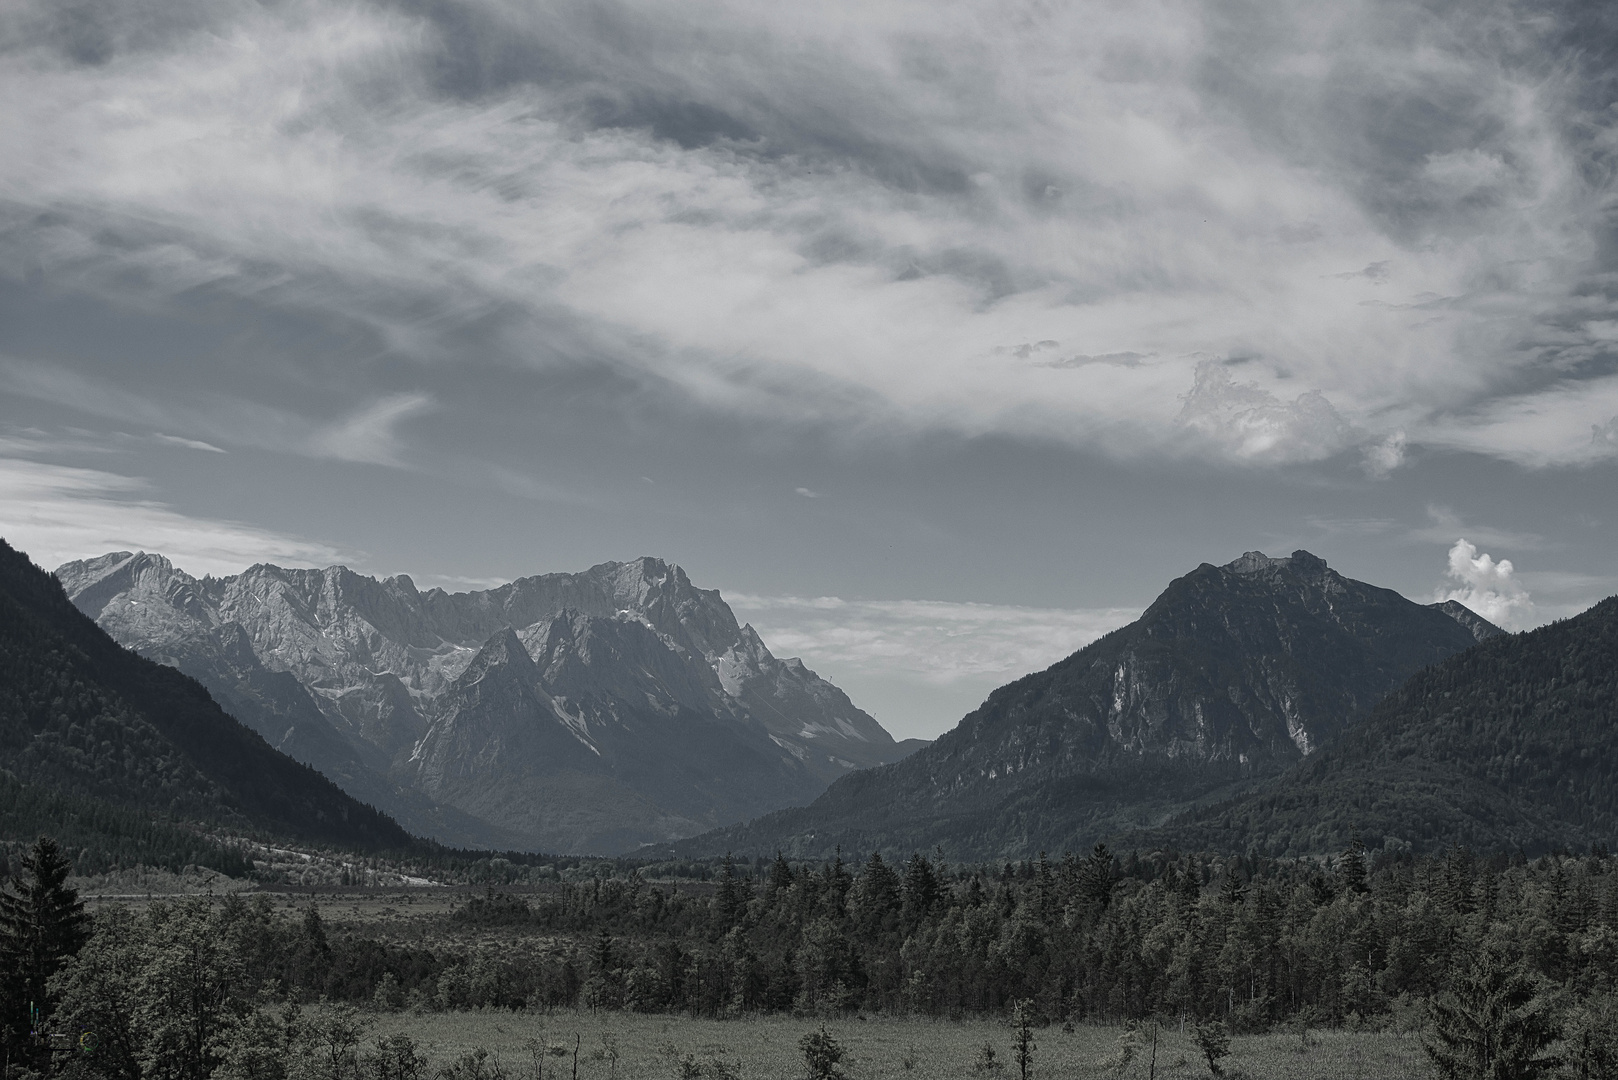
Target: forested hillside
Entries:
(116, 754)
(1234, 674)
(1510, 745)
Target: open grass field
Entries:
(628, 1046)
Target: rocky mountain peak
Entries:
(1234, 673)
(1256, 562)
(503, 649)
(375, 663)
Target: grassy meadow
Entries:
(632, 1046)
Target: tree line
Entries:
(1454, 942)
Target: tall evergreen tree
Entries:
(1493, 1026)
(1351, 868)
(42, 923)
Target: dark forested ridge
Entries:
(1233, 675)
(102, 746)
(1513, 744)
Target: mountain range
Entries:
(1232, 676)
(1269, 705)
(592, 712)
(113, 753)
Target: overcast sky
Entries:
(939, 336)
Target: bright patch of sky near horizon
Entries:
(986, 318)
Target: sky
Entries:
(938, 336)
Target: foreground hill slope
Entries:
(98, 733)
(683, 717)
(1235, 673)
(1513, 744)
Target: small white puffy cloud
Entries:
(1381, 458)
(1488, 587)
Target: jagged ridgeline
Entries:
(1511, 745)
(587, 713)
(127, 761)
(1233, 675)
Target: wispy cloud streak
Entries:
(1269, 236)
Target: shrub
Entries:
(822, 1054)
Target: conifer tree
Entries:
(781, 876)
(1096, 876)
(1493, 1026)
(728, 897)
(1023, 1017)
(42, 923)
(1351, 869)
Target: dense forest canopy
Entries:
(1248, 943)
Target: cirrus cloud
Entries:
(1379, 216)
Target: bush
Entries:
(822, 1054)
(1214, 1042)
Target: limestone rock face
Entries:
(417, 701)
(1233, 674)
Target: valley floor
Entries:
(650, 1047)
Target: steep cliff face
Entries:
(1233, 674)
(350, 674)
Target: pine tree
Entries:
(920, 889)
(1023, 1017)
(42, 923)
(822, 1054)
(1232, 892)
(1351, 869)
(781, 876)
(1493, 1026)
(728, 897)
(1096, 876)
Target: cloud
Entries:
(368, 435)
(1384, 457)
(1376, 273)
(189, 444)
(1444, 523)
(1078, 360)
(930, 641)
(808, 494)
(1252, 424)
(831, 213)
(55, 514)
(1488, 587)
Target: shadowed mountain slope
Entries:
(1513, 744)
(95, 729)
(1234, 674)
